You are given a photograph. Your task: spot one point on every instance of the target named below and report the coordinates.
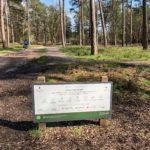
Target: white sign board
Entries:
(72, 98)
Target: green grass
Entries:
(18, 47)
(77, 131)
(49, 80)
(109, 53)
(43, 50)
(35, 133)
(12, 48)
(127, 80)
(40, 60)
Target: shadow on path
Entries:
(20, 125)
(29, 125)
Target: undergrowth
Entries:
(109, 53)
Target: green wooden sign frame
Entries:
(71, 116)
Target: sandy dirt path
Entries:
(13, 59)
(129, 129)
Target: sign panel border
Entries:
(46, 120)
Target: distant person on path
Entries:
(25, 43)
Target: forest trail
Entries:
(16, 116)
(11, 60)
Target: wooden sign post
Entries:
(104, 122)
(41, 79)
(71, 101)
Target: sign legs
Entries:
(41, 79)
(104, 122)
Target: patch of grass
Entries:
(35, 133)
(18, 47)
(60, 68)
(143, 96)
(42, 50)
(36, 46)
(124, 53)
(127, 83)
(40, 60)
(14, 48)
(126, 80)
(77, 131)
(77, 51)
(146, 82)
(139, 69)
(109, 53)
(141, 134)
(51, 80)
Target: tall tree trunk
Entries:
(7, 23)
(64, 20)
(37, 28)
(131, 23)
(45, 33)
(145, 26)
(123, 23)
(12, 34)
(28, 21)
(93, 28)
(103, 23)
(114, 25)
(97, 24)
(61, 22)
(115, 39)
(2, 24)
(80, 22)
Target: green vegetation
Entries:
(14, 48)
(35, 133)
(127, 80)
(52, 80)
(76, 50)
(42, 50)
(109, 53)
(40, 60)
(17, 47)
(77, 131)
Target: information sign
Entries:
(76, 101)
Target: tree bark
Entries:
(2, 24)
(145, 26)
(45, 33)
(131, 23)
(28, 21)
(7, 23)
(12, 34)
(61, 22)
(94, 50)
(114, 24)
(123, 23)
(80, 22)
(64, 20)
(103, 23)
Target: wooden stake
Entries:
(104, 122)
(41, 79)
(104, 79)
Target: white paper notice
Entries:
(68, 98)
